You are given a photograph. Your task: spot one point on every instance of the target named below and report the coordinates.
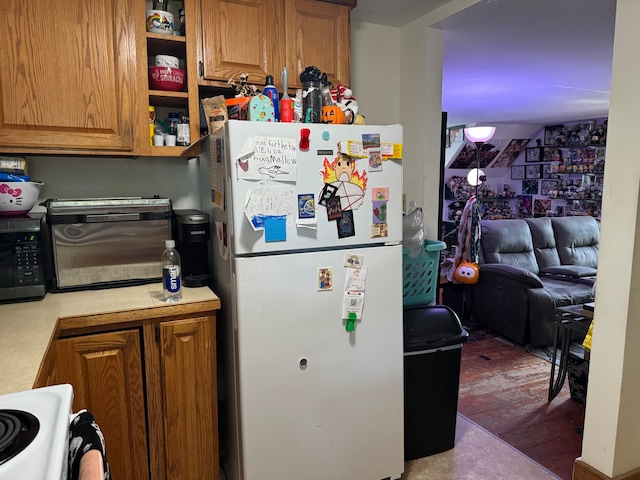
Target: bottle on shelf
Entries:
(172, 122)
(171, 273)
(161, 5)
(183, 134)
(152, 123)
(271, 91)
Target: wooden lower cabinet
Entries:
(106, 373)
(152, 390)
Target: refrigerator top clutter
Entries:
(307, 186)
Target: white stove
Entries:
(34, 433)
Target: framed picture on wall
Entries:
(524, 206)
(529, 187)
(541, 207)
(548, 171)
(532, 171)
(555, 135)
(517, 172)
(456, 134)
(533, 154)
(549, 187)
(551, 154)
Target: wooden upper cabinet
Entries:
(318, 34)
(259, 37)
(67, 81)
(239, 36)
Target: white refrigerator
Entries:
(307, 260)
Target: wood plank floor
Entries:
(504, 389)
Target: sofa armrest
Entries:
(513, 273)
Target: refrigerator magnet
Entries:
(371, 146)
(379, 230)
(380, 193)
(334, 209)
(306, 205)
(325, 279)
(345, 224)
(379, 211)
(352, 260)
(328, 191)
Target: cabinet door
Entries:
(106, 373)
(67, 80)
(318, 35)
(241, 36)
(188, 376)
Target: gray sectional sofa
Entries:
(528, 267)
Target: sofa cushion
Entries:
(544, 242)
(571, 271)
(577, 240)
(567, 293)
(508, 242)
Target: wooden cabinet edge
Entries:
(81, 324)
(349, 3)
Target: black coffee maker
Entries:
(192, 234)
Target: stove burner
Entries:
(17, 431)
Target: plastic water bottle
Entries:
(171, 273)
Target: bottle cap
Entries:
(269, 80)
(170, 243)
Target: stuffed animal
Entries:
(343, 97)
(467, 272)
(242, 88)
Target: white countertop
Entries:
(26, 328)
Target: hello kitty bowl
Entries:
(17, 198)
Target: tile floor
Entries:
(477, 455)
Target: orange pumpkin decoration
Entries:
(467, 272)
(333, 114)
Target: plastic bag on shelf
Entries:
(413, 230)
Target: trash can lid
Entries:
(432, 326)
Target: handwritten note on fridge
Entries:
(271, 158)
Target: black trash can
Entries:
(433, 339)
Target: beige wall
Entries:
(612, 425)
(375, 72)
(380, 57)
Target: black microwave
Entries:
(21, 260)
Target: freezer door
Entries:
(316, 401)
(294, 170)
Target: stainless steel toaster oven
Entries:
(106, 242)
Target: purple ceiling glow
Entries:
(523, 61)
